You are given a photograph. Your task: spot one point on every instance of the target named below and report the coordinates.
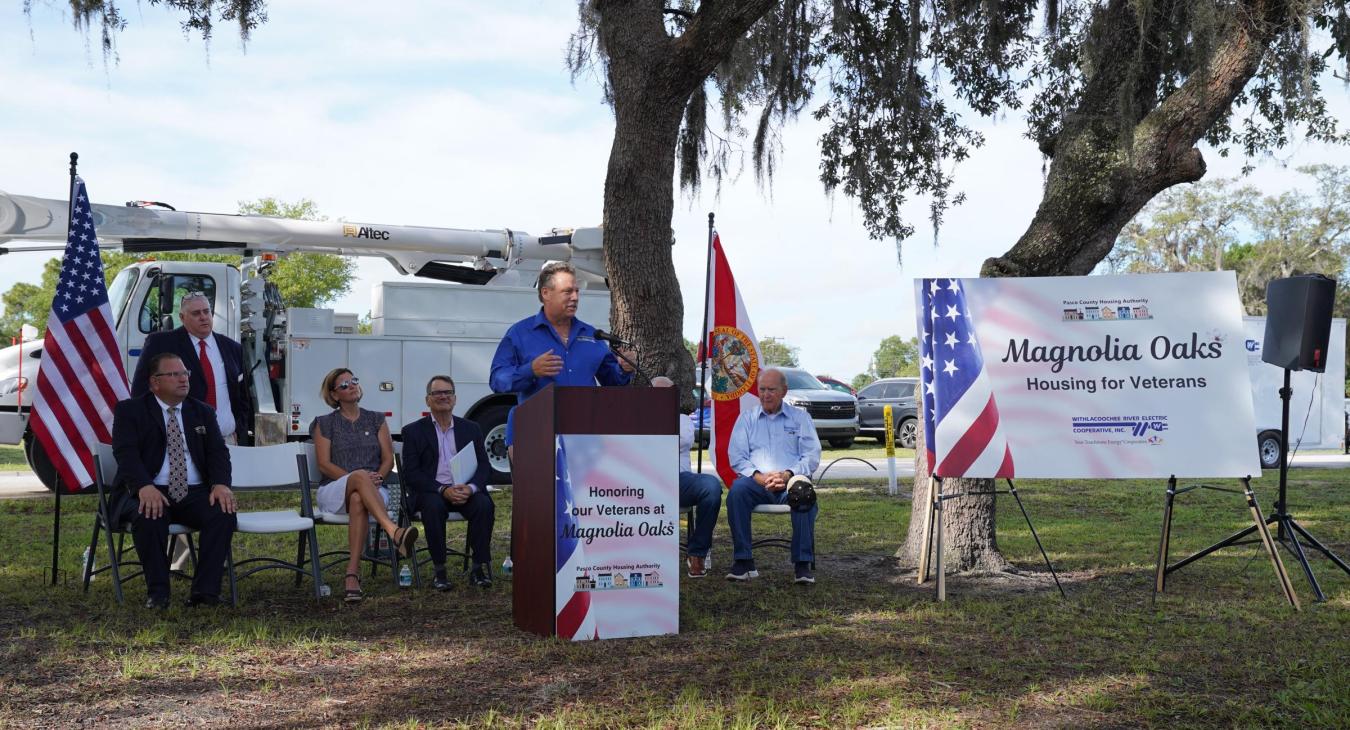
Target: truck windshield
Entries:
(120, 291)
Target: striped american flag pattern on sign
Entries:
(81, 378)
(961, 422)
(574, 619)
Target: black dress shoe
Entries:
(157, 604)
(194, 601)
(481, 576)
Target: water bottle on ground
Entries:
(325, 591)
(507, 566)
(87, 564)
(405, 577)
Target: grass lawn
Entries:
(11, 459)
(864, 647)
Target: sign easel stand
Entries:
(1258, 526)
(933, 534)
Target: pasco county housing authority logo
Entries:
(1110, 310)
(735, 364)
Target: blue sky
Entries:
(462, 114)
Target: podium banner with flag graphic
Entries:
(732, 359)
(81, 378)
(1101, 376)
(618, 542)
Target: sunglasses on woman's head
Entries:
(348, 384)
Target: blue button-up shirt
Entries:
(784, 440)
(585, 360)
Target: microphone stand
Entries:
(619, 353)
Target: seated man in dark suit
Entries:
(429, 444)
(217, 366)
(174, 465)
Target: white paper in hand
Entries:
(463, 465)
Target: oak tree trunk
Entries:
(652, 75)
(1118, 149)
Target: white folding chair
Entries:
(280, 467)
(782, 542)
(105, 467)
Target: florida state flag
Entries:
(731, 359)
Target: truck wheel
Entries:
(905, 436)
(493, 423)
(39, 462)
(842, 443)
(1268, 446)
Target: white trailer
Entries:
(1316, 407)
(418, 329)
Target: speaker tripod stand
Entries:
(1287, 529)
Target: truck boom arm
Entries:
(408, 248)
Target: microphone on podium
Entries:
(604, 336)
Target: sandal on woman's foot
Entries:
(354, 595)
(406, 537)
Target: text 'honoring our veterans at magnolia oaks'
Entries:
(621, 514)
(1100, 376)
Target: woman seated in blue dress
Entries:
(355, 454)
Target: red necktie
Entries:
(208, 373)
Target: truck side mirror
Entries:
(165, 322)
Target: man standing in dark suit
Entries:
(174, 465)
(429, 444)
(216, 362)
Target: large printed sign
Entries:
(1101, 376)
(618, 542)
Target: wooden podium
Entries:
(564, 410)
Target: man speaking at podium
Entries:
(553, 346)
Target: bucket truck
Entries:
(418, 329)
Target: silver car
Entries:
(834, 413)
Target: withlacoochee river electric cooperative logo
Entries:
(1133, 429)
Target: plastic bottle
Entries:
(325, 591)
(87, 564)
(405, 577)
(507, 566)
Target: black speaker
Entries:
(1298, 322)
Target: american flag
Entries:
(81, 378)
(965, 438)
(573, 618)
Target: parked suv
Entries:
(837, 384)
(835, 414)
(897, 393)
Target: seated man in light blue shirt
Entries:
(770, 444)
